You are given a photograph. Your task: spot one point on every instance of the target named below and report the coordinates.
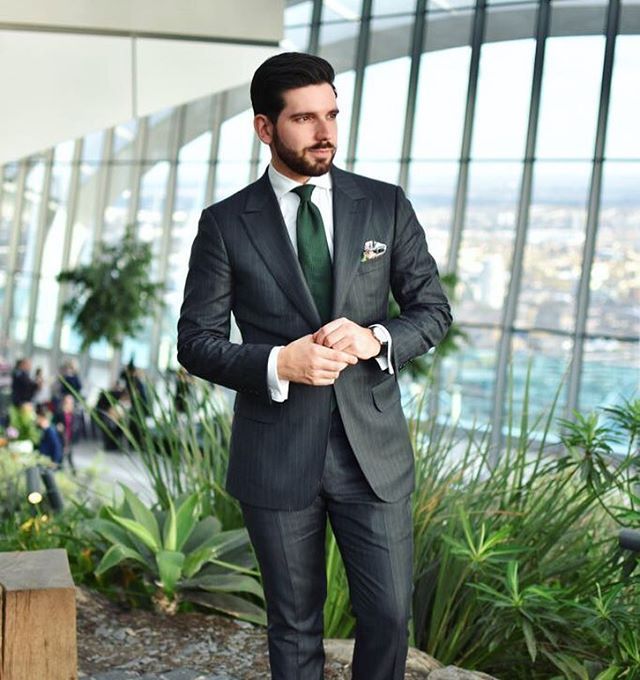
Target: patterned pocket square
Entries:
(373, 249)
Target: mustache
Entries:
(321, 145)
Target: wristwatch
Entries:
(381, 337)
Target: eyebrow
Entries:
(311, 113)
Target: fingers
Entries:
(321, 335)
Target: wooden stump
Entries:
(38, 616)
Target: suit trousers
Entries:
(376, 543)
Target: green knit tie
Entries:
(313, 251)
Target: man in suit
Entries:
(305, 258)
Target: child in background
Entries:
(50, 444)
(65, 422)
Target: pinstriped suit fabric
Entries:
(242, 261)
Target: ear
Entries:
(264, 128)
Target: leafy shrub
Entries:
(182, 555)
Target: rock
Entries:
(418, 662)
(454, 673)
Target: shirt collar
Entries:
(282, 184)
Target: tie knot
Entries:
(304, 191)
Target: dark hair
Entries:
(283, 72)
(42, 411)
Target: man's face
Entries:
(303, 139)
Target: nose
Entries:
(323, 130)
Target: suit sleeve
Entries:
(425, 315)
(204, 348)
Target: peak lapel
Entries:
(268, 233)
(351, 214)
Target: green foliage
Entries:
(516, 570)
(23, 420)
(13, 488)
(184, 450)
(184, 554)
(112, 295)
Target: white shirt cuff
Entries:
(385, 361)
(278, 389)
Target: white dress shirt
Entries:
(288, 201)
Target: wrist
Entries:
(381, 338)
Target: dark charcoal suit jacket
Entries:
(242, 261)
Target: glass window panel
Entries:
(432, 188)
(46, 311)
(299, 13)
(101, 351)
(380, 7)
(629, 19)
(54, 233)
(116, 211)
(338, 43)
(381, 126)
(382, 170)
(339, 10)
(502, 103)
(84, 223)
(440, 106)
(468, 378)
(344, 83)
(615, 275)
(124, 140)
(70, 340)
(296, 38)
(449, 6)
(26, 252)
(610, 373)
(236, 138)
(623, 138)
(7, 212)
(486, 251)
(198, 119)
(92, 147)
(570, 97)
(29, 217)
(554, 248)
(547, 356)
(230, 177)
(189, 202)
(159, 132)
(153, 194)
(138, 349)
(19, 322)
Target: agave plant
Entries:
(188, 557)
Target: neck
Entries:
(287, 171)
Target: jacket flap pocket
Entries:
(254, 409)
(385, 393)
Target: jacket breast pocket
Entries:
(258, 411)
(369, 266)
(385, 394)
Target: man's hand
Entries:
(304, 361)
(345, 335)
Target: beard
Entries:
(298, 162)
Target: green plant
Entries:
(512, 555)
(22, 419)
(626, 418)
(184, 555)
(181, 450)
(113, 295)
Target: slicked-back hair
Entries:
(283, 72)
